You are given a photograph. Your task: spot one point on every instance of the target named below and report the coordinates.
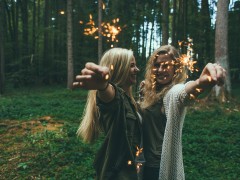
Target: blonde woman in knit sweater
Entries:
(166, 95)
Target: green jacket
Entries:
(121, 126)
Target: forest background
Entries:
(44, 44)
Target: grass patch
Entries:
(38, 137)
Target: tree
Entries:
(2, 62)
(69, 45)
(99, 29)
(165, 21)
(174, 15)
(221, 47)
(205, 36)
(46, 45)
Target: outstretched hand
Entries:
(212, 74)
(93, 77)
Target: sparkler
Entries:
(109, 30)
(138, 161)
(186, 60)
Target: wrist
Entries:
(105, 87)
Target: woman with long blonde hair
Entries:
(164, 101)
(111, 109)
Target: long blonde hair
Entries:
(151, 95)
(120, 60)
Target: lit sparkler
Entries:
(109, 30)
(186, 60)
(138, 161)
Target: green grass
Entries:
(38, 137)
(211, 144)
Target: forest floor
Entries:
(38, 137)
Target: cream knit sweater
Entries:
(171, 165)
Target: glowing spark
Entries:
(106, 76)
(111, 67)
(75, 83)
(138, 166)
(110, 31)
(192, 96)
(198, 90)
(62, 12)
(186, 60)
(209, 78)
(139, 150)
(180, 43)
(129, 162)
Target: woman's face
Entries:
(163, 68)
(132, 79)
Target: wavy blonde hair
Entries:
(120, 60)
(153, 94)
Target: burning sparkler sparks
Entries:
(186, 60)
(109, 30)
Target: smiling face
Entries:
(163, 68)
(132, 79)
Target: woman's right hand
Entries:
(93, 77)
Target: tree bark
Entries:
(2, 61)
(46, 60)
(165, 21)
(174, 15)
(221, 47)
(99, 30)
(69, 45)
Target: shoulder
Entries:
(178, 94)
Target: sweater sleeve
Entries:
(175, 102)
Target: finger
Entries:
(77, 84)
(86, 71)
(98, 69)
(212, 71)
(81, 78)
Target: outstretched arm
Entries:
(212, 74)
(95, 77)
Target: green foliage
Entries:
(33, 103)
(211, 144)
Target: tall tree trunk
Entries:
(100, 4)
(151, 37)
(2, 61)
(69, 45)
(25, 49)
(221, 47)
(182, 21)
(206, 28)
(165, 21)
(174, 16)
(34, 28)
(46, 60)
(137, 29)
